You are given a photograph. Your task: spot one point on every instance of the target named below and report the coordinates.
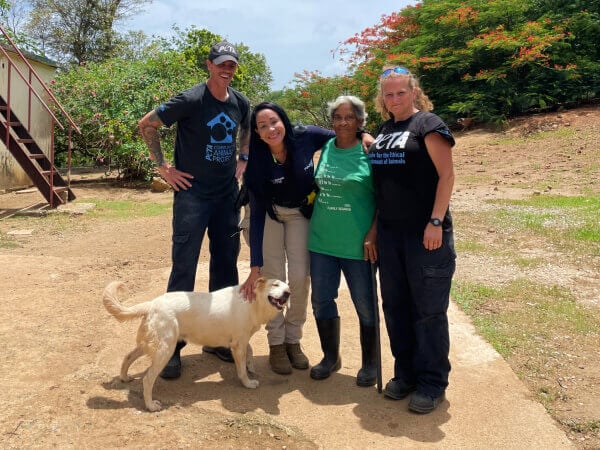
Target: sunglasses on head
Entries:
(400, 70)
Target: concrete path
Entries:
(487, 407)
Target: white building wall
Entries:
(28, 109)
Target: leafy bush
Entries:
(108, 99)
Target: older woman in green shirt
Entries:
(342, 239)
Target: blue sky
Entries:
(293, 36)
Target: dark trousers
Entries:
(415, 293)
(193, 216)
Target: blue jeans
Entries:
(325, 274)
(193, 215)
(415, 293)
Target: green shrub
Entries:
(107, 100)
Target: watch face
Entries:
(435, 222)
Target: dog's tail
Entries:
(114, 306)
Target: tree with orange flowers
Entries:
(487, 60)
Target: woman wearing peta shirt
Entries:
(411, 160)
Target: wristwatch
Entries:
(243, 157)
(435, 222)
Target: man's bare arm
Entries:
(148, 126)
(244, 140)
(244, 149)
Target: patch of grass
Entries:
(528, 263)
(555, 201)
(563, 133)
(52, 224)
(126, 209)
(507, 141)
(548, 395)
(469, 246)
(556, 217)
(8, 242)
(470, 296)
(582, 427)
(475, 300)
(520, 314)
(554, 134)
(57, 224)
(60, 223)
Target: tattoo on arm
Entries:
(152, 139)
(149, 130)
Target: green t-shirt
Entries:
(345, 205)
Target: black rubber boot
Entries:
(173, 367)
(367, 375)
(329, 332)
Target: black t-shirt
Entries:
(404, 175)
(207, 128)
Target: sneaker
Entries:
(397, 389)
(279, 360)
(296, 356)
(424, 403)
(223, 353)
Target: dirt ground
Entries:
(558, 157)
(62, 351)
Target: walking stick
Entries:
(377, 334)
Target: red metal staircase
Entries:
(15, 133)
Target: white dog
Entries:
(222, 318)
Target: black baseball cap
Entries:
(223, 51)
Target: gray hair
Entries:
(358, 106)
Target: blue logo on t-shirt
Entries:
(221, 129)
(221, 147)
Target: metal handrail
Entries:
(42, 83)
(28, 81)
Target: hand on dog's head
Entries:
(275, 290)
(260, 283)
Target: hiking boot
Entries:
(397, 389)
(223, 353)
(297, 358)
(424, 403)
(279, 360)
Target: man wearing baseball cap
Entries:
(221, 52)
(203, 177)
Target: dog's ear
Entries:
(260, 283)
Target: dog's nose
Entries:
(286, 295)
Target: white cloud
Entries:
(293, 36)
